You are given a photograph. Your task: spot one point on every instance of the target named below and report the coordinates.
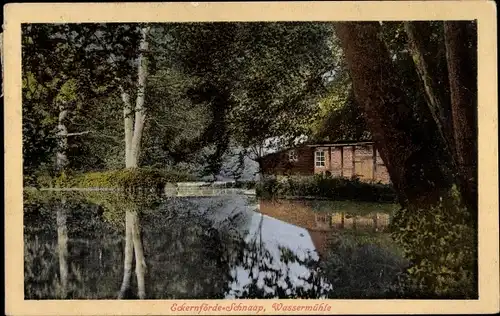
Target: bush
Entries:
(124, 178)
(325, 186)
(441, 244)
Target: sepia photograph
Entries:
(232, 160)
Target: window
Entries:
(320, 158)
(292, 156)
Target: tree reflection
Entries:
(62, 247)
(133, 245)
(191, 251)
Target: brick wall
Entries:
(348, 154)
(336, 162)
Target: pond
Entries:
(108, 245)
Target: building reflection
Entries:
(324, 224)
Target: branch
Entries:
(78, 134)
(95, 134)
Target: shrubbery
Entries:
(237, 185)
(325, 186)
(441, 244)
(124, 178)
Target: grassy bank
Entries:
(122, 178)
(326, 187)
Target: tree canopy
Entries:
(209, 85)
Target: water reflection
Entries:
(62, 246)
(322, 219)
(89, 246)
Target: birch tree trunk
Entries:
(128, 256)
(62, 230)
(128, 121)
(62, 138)
(62, 247)
(461, 61)
(134, 124)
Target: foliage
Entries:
(68, 64)
(441, 243)
(208, 84)
(339, 117)
(257, 80)
(38, 126)
(131, 178)
(325, 186)
(124, 178)
(343, 119)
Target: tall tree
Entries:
(428, 56)
(51, 58)
(461, 57)
(445, 57)
(415, 168)
(413, 135)
(134, 126)
(65, 66)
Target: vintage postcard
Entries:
(251, 158)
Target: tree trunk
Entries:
(128, 126)
(461, 61)
(438, 106)
(140, 261)
(128, 256)
(411, 161)
(62, 138)
(62, 230)
(134, 126)
(62, 247)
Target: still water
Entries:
(112, 246)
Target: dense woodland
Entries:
(183, 96)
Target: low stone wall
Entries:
(203, 189)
